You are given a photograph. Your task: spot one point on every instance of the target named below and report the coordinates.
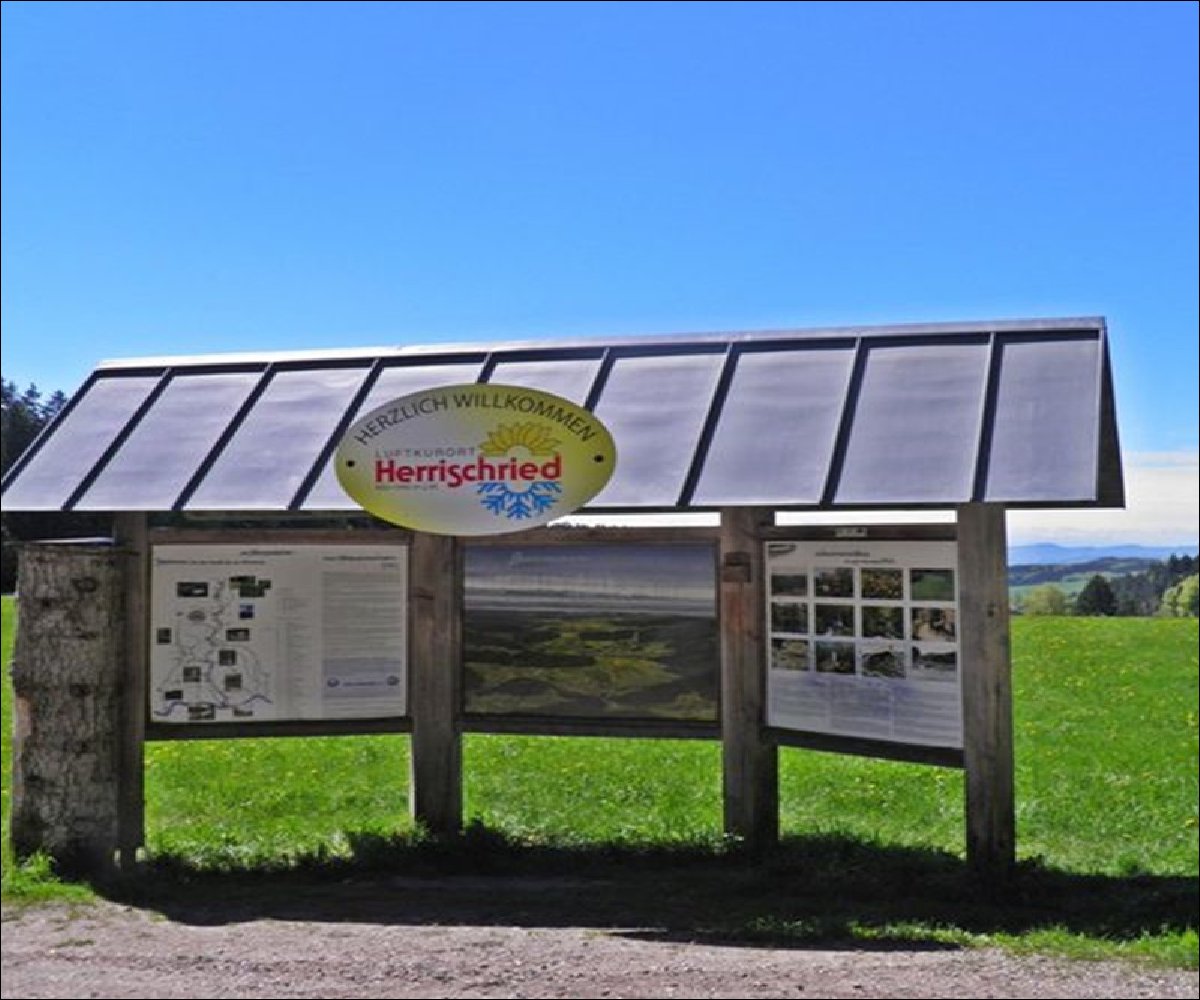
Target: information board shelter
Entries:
(887, 641)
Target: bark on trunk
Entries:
(66, 674)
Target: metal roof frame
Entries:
(996, 374)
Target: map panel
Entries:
(245, 633)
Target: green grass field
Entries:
(1106, 720)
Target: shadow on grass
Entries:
(807, 893)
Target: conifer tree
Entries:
(1096, 598)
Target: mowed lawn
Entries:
(1106, 729)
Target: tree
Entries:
(1096, 598)
(1182, 600)
(1142, 593)
(22, 416)
(1046, 600)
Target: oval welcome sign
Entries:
(475, 459)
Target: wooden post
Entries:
(750, 762)
(66, 686)
(434, 671)
(986, 689)
(131, 537)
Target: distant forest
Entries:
(1117, 586)
(1142, 593)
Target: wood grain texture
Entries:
(133, 550)
(986, 663)
(750, 759)
(435, 679)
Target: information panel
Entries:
(243, 633)
(592, 631)
(864, 640)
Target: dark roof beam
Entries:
(709, 428)
(227, 434)
(119, 440)
(841, 441)
(987, 420)
(335, 437)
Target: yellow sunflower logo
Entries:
(534, 438)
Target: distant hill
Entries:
(1047, 553)
(1071, 576)
(1138, 582)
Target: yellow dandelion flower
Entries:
(534, 438)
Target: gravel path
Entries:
(114, 951)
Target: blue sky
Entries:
(204, 177)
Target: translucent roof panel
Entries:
(77, 443)
(777, 427)
(655, 408)
(915, 424)
(393, 382)
(276, 445)
(1045, 439)
(572, 379)
(168, 444)
(398, 381)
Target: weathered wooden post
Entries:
(132, 538)
(66, 673)
(986, 689)
(750, 762)
(435, 669)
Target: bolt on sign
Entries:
(475, 459)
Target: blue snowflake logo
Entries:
(533, 498)
(503, 501)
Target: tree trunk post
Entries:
(66, 674)
(750, 768)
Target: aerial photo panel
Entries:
(591, 630)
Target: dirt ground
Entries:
(462, 936)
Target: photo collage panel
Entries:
(896, 622)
